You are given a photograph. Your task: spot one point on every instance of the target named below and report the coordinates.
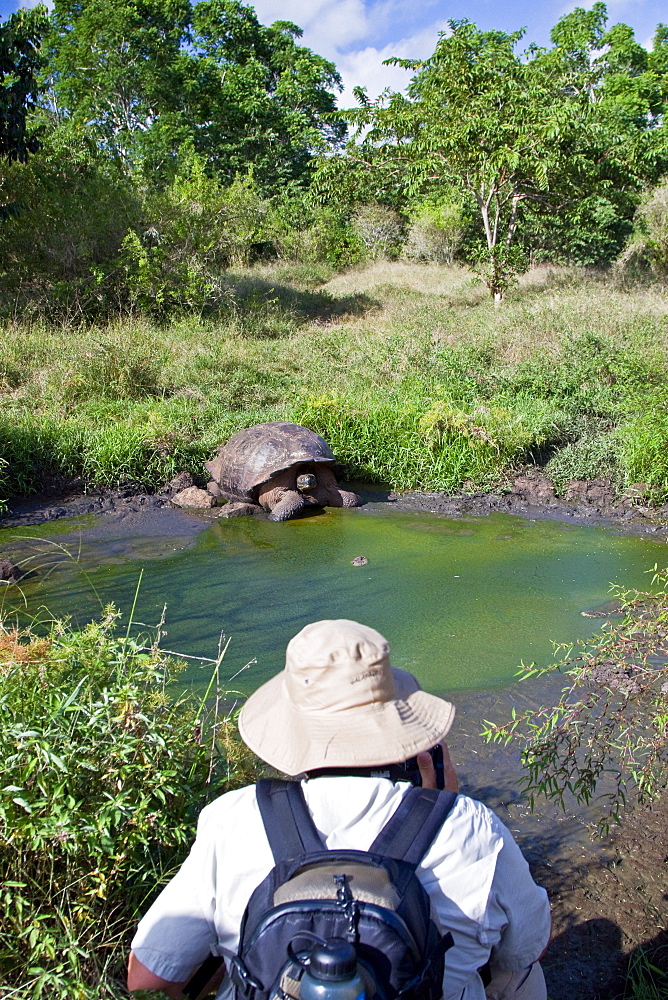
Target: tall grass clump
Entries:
(430, 444)
(41, 451)
(645, 980)
(104, 769)
(645, 450)
(4, 484)
(594, 455)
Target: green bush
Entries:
(107, 244)
(61, 248)
(590, 231)
(435, 231)
(104, 770)
(312, 235)
(436, 445)
(190, 234)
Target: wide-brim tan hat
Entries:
(340, 703)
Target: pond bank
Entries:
(608, 908)
(608, 898)
(530, 493)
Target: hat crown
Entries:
(338, 665)
(340, 703)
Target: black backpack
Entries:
(373, 899)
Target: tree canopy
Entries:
(497, 153)
(524, 132)
(146, 76)
(20, 62)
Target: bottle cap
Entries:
(336, 959)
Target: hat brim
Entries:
(293, 740)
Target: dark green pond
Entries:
(462, 601)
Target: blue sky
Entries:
(359, 34)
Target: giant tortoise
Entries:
(281, 467)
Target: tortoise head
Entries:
(306, 482)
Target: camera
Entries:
(409, 770)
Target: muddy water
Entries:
(462, 601)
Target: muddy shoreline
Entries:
(529, 494)
(609, 898)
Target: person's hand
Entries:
(428, 771)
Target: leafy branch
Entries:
(606, 736)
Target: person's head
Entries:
(339, 703)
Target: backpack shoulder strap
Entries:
(410, 831)
(287, 822)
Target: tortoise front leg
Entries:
(290, 503)
(348, 499)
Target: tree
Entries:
(20, 61)
(118, 70)
(625, 146)
(544, 140)
(481, 118)
(148, 76)
(262, 98)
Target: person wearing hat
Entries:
(339, 715)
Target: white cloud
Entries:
(348, 31)
(340, 25)
(327, 24)
(364, 67)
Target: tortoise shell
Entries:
(256, 454)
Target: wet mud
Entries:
(529, 494)
(609, 897)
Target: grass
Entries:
(414, 377)
(645, 980)
(104, 771)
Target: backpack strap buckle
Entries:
(244, 983)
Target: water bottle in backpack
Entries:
(331, 973)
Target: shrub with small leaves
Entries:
(648, 247)
(380, 229)
(104, 770)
